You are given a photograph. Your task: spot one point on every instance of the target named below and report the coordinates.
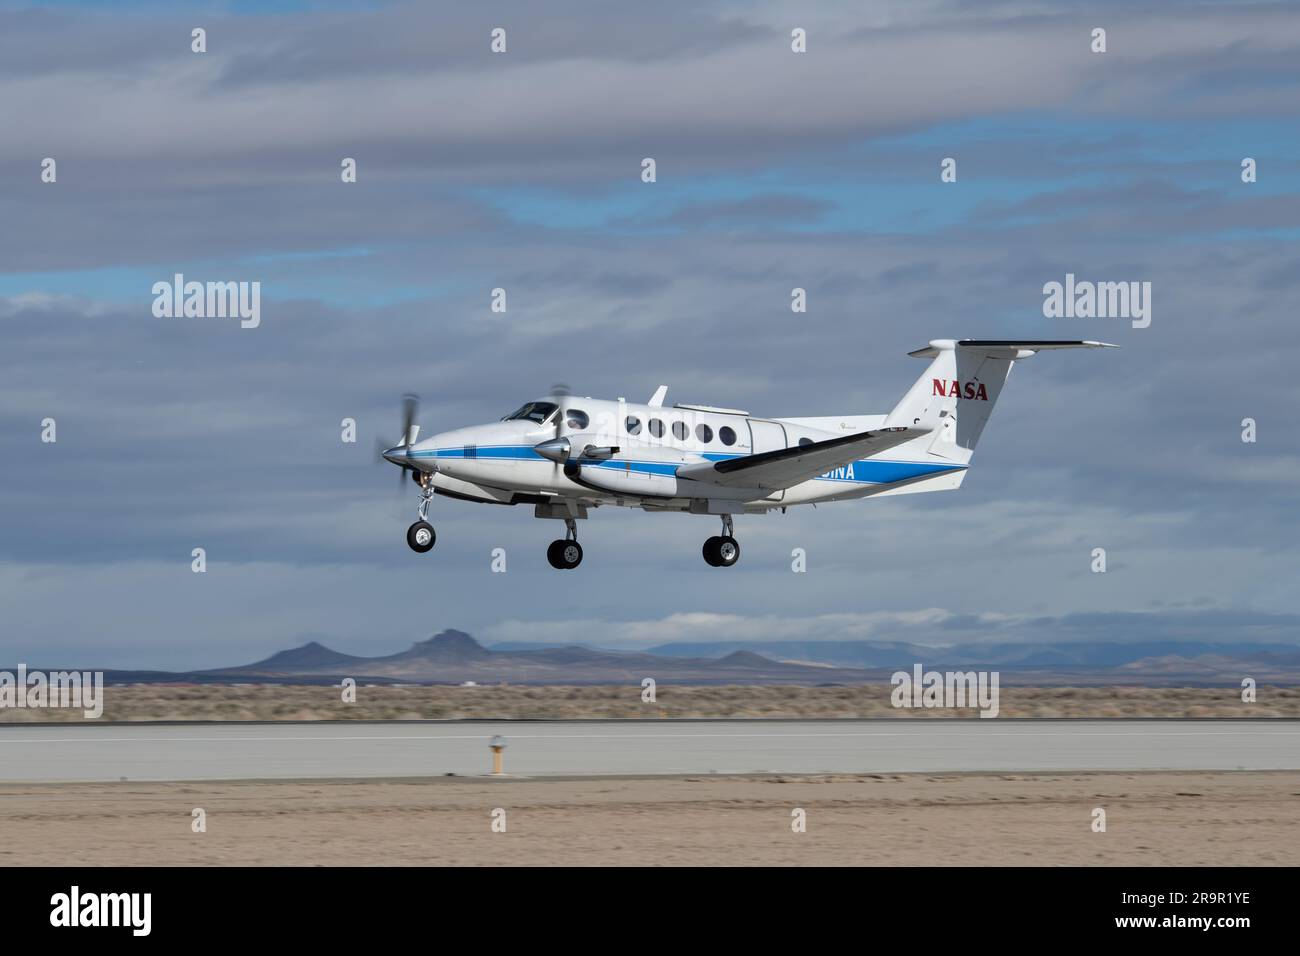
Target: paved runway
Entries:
(84, 752)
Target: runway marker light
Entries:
(498, 746)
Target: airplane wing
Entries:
(787, 467)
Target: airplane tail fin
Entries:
(955, 395)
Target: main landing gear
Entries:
(565, 553)
(421, 536)
(722, 551)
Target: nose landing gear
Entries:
(722, 551)
(565, 553)
(421, 536)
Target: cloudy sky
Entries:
(522, 170)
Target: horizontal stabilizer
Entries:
(1007, 345)
(956, 393)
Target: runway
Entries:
(99, 752)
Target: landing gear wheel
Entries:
(727, 551)
(564, 554)
(723, 551)
(420, 536)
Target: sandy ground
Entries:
(1156, 819)
(378, 702)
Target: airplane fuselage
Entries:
(565, 454)
(640, 449)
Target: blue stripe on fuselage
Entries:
(866, 471)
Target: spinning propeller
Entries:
(410, 432)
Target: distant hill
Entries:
(307, 657)
(451, 648)
(454, 656)
(895, 655)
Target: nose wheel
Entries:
(565, 553)
(722, 551)
(421, 536)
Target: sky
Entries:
(522, 170)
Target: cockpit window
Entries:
(533, 412)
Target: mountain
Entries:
(309, 656)
(869, 654)
(896, 655)
(454, 657)
(449, 649)
(745, 659)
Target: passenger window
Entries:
(704, 433)
(680, 430)
(633, 425)
(656, 428)
(577, 419)
(726, 435)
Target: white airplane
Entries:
(566, 455)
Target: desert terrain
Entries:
(253, 701)
(1153, 819)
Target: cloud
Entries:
(418, 85)
(933, 627)
(776, 170)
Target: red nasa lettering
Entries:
(954, 389)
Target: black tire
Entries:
(711, 551)
(564, 554)
(421, 537)
(728, 552)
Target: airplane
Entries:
(566, 455)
